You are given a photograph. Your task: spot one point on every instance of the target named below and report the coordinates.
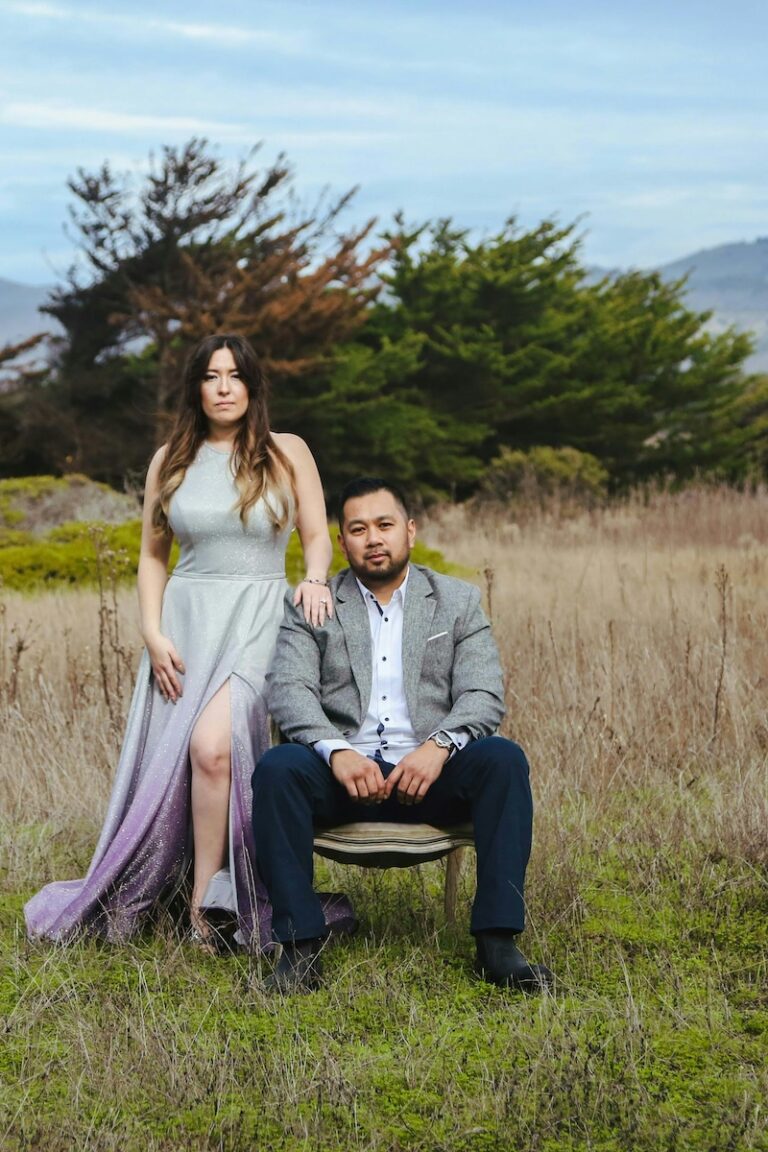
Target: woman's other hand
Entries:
(166, 663)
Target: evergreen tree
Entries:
(194, 248)
(29, 426)
(372, 418)
(656, 387)
(520, 350)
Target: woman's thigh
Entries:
(211, 739)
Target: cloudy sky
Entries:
(646, 119)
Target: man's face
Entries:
(376, 538)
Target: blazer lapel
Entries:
(353, 617)
(417, 621)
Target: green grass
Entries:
(657, 1037)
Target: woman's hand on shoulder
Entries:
(166, 663)
(314, 599)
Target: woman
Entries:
(229, 490)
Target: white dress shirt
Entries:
(386, 732)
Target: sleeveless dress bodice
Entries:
(213, 541)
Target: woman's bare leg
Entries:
(210, 757)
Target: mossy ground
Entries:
(656, 1038)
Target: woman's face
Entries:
(223, 394)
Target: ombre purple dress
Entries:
(222, 609)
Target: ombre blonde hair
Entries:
(261, 469)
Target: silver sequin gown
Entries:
(222, 608)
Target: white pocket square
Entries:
(436, 636)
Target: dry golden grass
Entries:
(634, 645)
(58, 745)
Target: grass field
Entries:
(634, 645)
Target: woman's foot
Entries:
(201, 935)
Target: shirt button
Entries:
(383, 657)
(386, 619)
(383, 697)
(387, 719)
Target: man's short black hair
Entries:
(364, 486)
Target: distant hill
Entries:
(730, 280)
(732, 276)
(19, 311)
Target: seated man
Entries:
(390, 709)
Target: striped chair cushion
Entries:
(382, 845)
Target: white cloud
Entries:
(662, 198)
(221, 34)
(230, 36)
(48, 11)
(53, 115)
(50, 115)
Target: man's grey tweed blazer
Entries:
(319, 686)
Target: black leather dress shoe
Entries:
(299, 968)
(500, 961)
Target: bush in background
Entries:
(542, 475)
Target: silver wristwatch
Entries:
(443, 740)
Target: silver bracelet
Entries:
(310, 580)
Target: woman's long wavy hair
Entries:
(260, 467)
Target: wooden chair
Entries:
(374, 845)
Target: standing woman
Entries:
(230, 491)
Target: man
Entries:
(389, 710)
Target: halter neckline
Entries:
(216, 451)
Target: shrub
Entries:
(71, 554)
(541, 474)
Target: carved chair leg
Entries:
(452, 873)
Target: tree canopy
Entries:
(519, 348)
(190, 248)
(425, 353)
